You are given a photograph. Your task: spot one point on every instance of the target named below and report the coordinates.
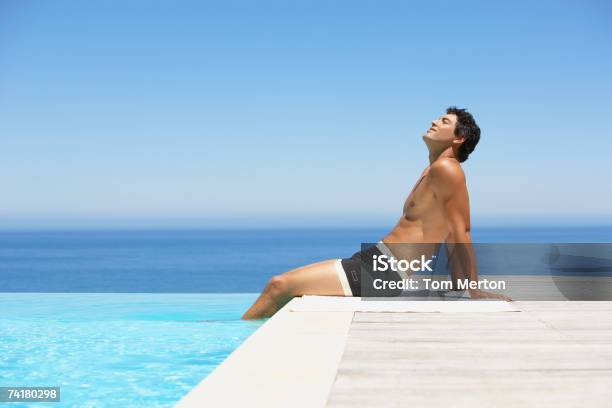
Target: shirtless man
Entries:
(436, 211)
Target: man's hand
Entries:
(481, 294)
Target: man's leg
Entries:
(320, 278)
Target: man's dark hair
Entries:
(467, 128)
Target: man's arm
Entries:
(448, 182)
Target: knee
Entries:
(278, 286)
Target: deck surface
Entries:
(552, 354)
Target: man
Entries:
(436, 211)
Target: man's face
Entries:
(442, 130)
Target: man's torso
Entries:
(423, 219)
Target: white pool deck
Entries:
(347, 353)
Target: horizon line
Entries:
(322, 222)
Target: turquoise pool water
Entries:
(117, 350)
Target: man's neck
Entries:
(435, 155)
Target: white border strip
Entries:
(346, 288)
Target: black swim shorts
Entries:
(357, 275)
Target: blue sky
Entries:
(287, 112)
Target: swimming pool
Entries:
(118, 350)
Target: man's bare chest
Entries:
(421, 201)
